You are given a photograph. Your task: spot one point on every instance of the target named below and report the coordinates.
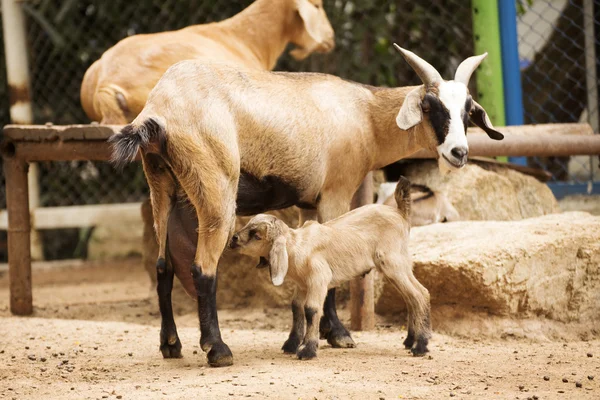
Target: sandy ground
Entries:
(94, 335)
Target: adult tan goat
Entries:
(247, 141)
(115, 87)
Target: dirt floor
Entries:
(94, 335)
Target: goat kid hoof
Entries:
(307, 352)
(220, 355)
(408, 342)
(171, 350)
(291, 346)
(419, 350)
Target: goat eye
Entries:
(257, 236)
(425, 107)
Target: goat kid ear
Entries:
(278, 260)
(311, 18)
(480, 118)
(410, 113)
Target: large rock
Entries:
(495, 193)
(545, 267)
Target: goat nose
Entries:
(460, 153)
(234, 241)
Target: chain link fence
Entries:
(66, 36)
(552, 49)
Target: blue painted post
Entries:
(513, 96)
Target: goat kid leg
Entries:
(298, 329)
(422, 320)
(162, 192)
(416, 298)
(330, 326)
(312, 310)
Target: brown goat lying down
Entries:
(321, 256)
(428, 207)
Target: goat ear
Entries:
(481, 119)
(278, 260)
(311, 18)
(410, 113)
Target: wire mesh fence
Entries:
(552, 49)
(66, 36)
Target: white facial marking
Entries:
(453, 96)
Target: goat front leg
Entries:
(298, 329)
(330, 326)
(315, 297)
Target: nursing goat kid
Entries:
(318, 257)
(248, 141)
(115, 88)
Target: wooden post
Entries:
(591, 77)
(362, 299)
(19, 252)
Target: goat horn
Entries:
(467, 67)
(428, 74)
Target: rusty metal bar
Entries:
(362, 292)
(95, 150)
(528, 146)
(479, 145)
(19, 252)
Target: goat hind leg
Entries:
(162, 192)
(211, 243)
(416, 298)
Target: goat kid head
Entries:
(315, 33)
(447, 106)
(264, 237)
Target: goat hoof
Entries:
(418, 353)
(171, 350)
(420, 349)
(291, 345)
(220, 355)
(340, 339)
(207, 343)
(408, 342)
(307, 351)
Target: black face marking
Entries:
(439, 116)
(257, 195)
(465, 113)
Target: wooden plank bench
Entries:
(23, 144)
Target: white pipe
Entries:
(19, 89)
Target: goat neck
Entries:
(263, 26)
(391, 142)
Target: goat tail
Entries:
(402, 196)
(133, 137)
